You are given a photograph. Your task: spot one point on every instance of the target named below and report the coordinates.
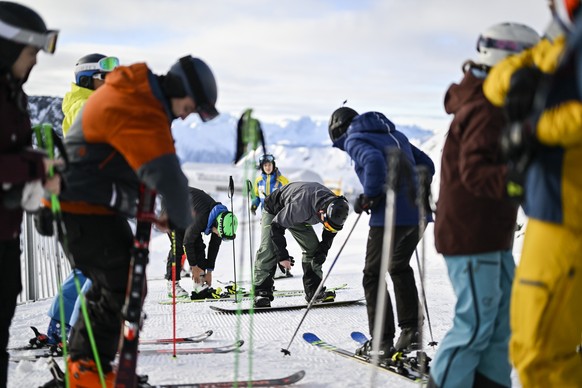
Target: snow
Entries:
(261, 355)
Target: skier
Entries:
(537, 90)
(365, 138)
(121, 137)
(90, 72)
(210, 218)
(296, 207)
(477, 244)
(270, 180)
(23, 172)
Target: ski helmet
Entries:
(199, 83)
(566, 11)
(89, 65)
(340, 121)
(335, 214)
(21, 26)
(227, 224)
(266, 158)
(502, 40)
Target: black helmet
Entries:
(336, 214)
(267, 158)
(89, 65)
(340, 121)
(199, 83)
(21, 26)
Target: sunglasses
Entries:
(508, 45)
(45, 41)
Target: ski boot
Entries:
(323, 296)
(206, 293)
(408, 340)
(180, 292)
(263, 299)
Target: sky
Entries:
(289, 59)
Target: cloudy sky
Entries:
(289, 58)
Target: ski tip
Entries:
(209, 332)
(285, 352)
(310, 337)
(359, 336)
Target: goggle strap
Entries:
(46, 41)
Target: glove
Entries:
(287, 263)
(364, 204)
(43, 221)
(254, 210)
(515, 184)
(522, 90)
(517, 139)
(319, 258)
(32, 195)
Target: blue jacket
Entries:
(366, 141)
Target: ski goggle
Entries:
(45, 41)
(266, 159)
(327, 225)
(104, 65)
(501, 44)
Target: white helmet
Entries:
(502, 40)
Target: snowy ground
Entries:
(260, 357)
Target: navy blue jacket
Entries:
(366, 141)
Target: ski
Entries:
(197, 338)
(234, 310)
(393, 368)
(273, 382)
(206, 350)
(246, 295)
(419, 363)
(142, 381)
(132, 308)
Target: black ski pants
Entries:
(10, 287)
(100, 246)
(405, 240)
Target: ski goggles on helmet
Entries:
(46, 41)
(266, 159)
(104, 65)
(327, 225)
(501, 44)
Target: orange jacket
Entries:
(124, 137)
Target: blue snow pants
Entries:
(70, 298)
(479, 338)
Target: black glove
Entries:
(518, 139)
(319, 257)
(254, 210)
(364, 204)
(522, 90)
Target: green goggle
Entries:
(104, 65)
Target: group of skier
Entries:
(520, 88)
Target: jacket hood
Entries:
(371, 122)
(469, 89)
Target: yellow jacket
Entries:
(72, 104)
(554, 181)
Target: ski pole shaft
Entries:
(420, 273)
(231, 194)
(320, 287)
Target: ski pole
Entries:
(421, 274)
(173, 238)
(286, 351)
(249, 188)
(230, 195)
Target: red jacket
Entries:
(18, 162)
(473, 215)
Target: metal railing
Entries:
(38, 262)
